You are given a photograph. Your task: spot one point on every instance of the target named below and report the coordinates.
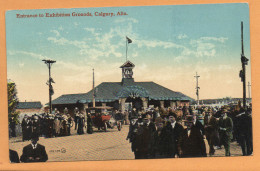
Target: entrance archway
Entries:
(132, 97)
(131, 103)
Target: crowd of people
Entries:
(180, 132)
(52, 125)
(46, 125)
(158, 132)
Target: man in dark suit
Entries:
(148, 121)
(211, 131)
(245, 133)
(143, 142)
(191, 143)
(163, 145)
(225, 127)
(134, 125)
(198, 125)
(176, 129)
(13, 155)
(34, 152)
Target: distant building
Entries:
(123, 95)
(29, 107)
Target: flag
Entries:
(128, 40)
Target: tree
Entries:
(12, 101)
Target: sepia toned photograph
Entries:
(126, 83)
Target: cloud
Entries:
(64, 41)
(202, 47)
(182, 36)
(135, 54)
(226, 67)
(34, 55)
(111, 43)
(62, 64)
(108, 44)
(10, 52)
(157, 43)
(178, 59)
(102, 72)
(98, 45)
(61, 28)
(92, 30)
(218, 39)
(71, 66)
(56, 32)
(21, 65)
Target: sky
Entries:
(169, 45)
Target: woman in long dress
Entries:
(81, 122)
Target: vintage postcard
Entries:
(123, 83)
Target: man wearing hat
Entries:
(148, 121)
(225, 131)
(159, 140)
(176, 130)
(143, 137)
(34, 152)
(211, 131)
(245, 133)
(164, 140)
(132, 133)
(191, 143)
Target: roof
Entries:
(127, 64)
(29, 105)
(69, 98)
(111, 91)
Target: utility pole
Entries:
(249, 85)
(242, 73)
(197, 87)
(49, 82)
(94, 93)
